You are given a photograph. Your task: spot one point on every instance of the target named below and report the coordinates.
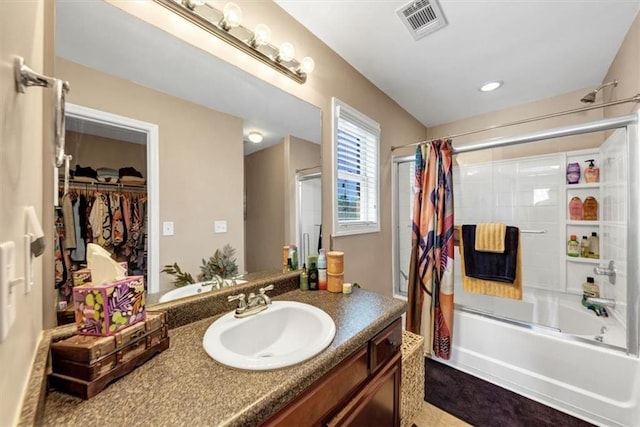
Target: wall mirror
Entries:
(204, 185)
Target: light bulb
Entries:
(261, 35)
(286, 52)
(191, 4)
(307, 65)
(255, 136)
(232, 16)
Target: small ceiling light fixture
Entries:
(488, 87)
(255, 136)
(226, 25)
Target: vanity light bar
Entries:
(209, 18)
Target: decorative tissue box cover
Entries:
(83, 276)
(105, 309)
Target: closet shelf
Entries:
(83, 185)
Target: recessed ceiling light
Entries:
(255, 136)
(488, 87)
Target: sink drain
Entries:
(263, 355)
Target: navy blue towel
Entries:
(497, 267)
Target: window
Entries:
(356, 139)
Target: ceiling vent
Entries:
(422, 17)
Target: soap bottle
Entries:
(313, 277)
(304, 279)
(591, 173)
(575, 209)
(573, 173)
(590, 290)
(590, 209)
(584, 247)
(594, 246)
(573, 247)
(322, 270)
(293, 254)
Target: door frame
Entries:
(153, 179)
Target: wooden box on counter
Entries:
(84, 365)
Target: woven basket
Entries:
(412, 389)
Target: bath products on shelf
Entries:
(575, 209)
(293, 254)
(573, 173)
(304, 278)
(313, 275)
(322, 270)
(591, 173)
(590, 289)
(573, 247)
(584, 247)
(590, 209)
(594, 246)
(285, 259)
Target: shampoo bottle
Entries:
(594, 246)
(304, 279)
(313, 277)
(591, 173)
(573, 173)
(573, 247)
(584, 247)
(322, 270)
(590, 209)
(575, 209)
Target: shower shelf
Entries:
(582, 186)
(583, 223)
(582, 260)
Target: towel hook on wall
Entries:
(26, 77)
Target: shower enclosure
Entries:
(543, 345)
(309, 213)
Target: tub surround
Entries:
(184, 385)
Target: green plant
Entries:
(222, 263)
(181, 278)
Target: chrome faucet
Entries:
(609, 271)
(603, 302)
(254, 304)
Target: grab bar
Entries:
(26, 77)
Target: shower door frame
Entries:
(630, 124)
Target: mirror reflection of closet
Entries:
(102, 200)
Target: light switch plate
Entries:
(167, 228)
(220, 226)
(7, 295)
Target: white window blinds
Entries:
(356, 143)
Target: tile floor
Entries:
(432, 416)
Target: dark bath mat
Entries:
(483, 404)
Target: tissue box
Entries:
(103, 310)
(83, 276)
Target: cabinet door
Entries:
(377, 404)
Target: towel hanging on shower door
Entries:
(430, 310)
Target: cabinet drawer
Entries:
(385, 345)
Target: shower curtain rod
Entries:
(635, 98)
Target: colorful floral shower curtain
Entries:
(431, 271)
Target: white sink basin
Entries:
(284, 334)
(194, 289)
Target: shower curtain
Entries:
(430, 310)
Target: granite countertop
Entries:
(184, 386)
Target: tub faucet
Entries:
(603, 302)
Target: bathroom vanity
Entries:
(354, 380)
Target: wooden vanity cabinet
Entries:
(363, 390)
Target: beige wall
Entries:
(200, 161)
(265, 199)
(101, 152)
(626, 69)
(21, 141)
(332, 77)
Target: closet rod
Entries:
(635, 98)
(105, 186)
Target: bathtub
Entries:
(557, 364)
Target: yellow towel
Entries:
(490, 237)
(487, 287)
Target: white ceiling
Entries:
(539, 48)
(103, 37)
